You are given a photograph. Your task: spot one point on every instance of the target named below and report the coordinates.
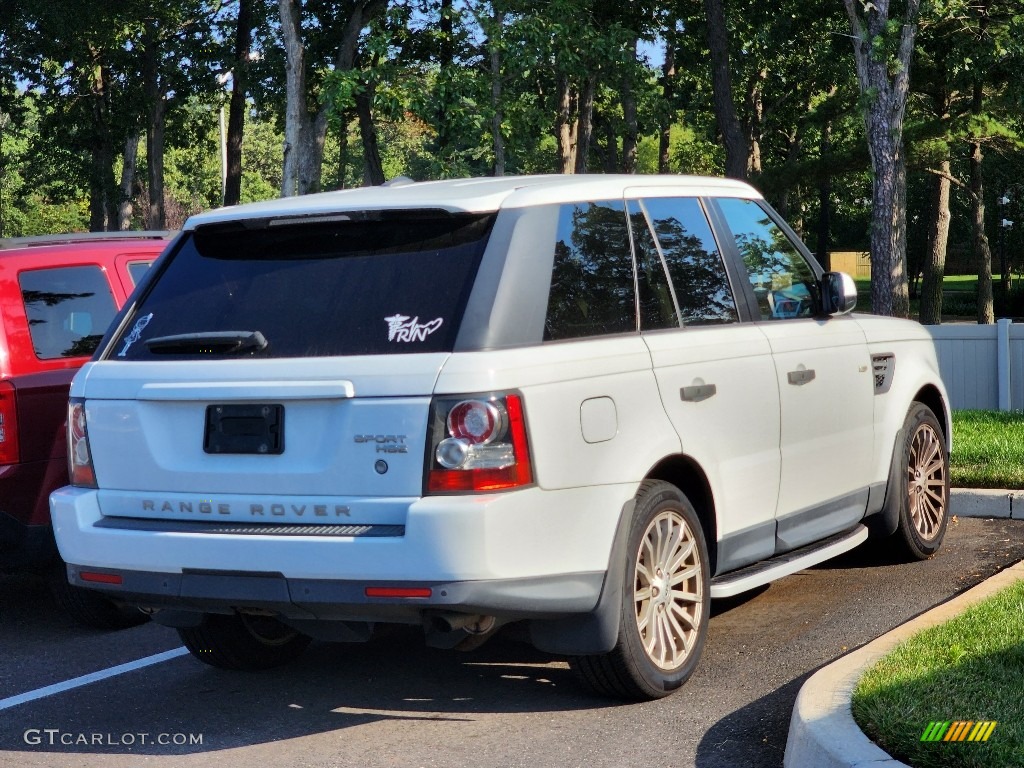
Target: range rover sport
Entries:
(587, 403)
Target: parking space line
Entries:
(92, 677)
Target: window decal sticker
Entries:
(136, 333)
(402, 328)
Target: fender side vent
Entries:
(883, 367)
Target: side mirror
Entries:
(838, 293)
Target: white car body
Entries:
(782, 433)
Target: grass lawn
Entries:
(969, 669)
(988, 451)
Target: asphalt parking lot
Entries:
(396, 703)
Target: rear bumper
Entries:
(338, 600)
(524, 554)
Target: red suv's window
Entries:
(68, 310)
(136, 269)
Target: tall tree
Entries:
(236, 110)
(736, 148)
(883, 49)
(319, 37)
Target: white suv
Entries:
(590, 403)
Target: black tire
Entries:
(922, 485)
(661, 630)
(90, 608)
(242, 642)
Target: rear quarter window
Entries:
(68, 310)
(136, 269)
(374, 284)
(592, 285)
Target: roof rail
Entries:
(77, 237)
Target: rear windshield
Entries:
(385, 283)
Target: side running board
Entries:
(766, 571)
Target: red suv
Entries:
(58, 294)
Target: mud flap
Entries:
(597, 631)
(885, 522)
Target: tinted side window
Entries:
(68, 310)
(592, 277)
(136, 269)
(698, 274)
(783, 281)
(657, 307)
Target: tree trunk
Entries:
(498, 116)
(934, 267)
(131, 155)
(373, 172)
(102, 188)
(342, 151)
(156, 108)
(296, 114)
(629, 137)
(446, 62)
(982, 252)
(311, 159)
(736, 151)
(938, 238)
(794, 143)
(823, 250)
(586, 123)
(888, 238)
(885, 98)
(236, 110)
(608, 155)
(668, 71)
(755, 129)
(565, 128)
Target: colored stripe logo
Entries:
(959, 730)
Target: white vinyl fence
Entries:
(982, 365)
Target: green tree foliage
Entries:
(446, 88)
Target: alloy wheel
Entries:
(667, 593)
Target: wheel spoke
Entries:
(670, 533)
(643, 617)
(682, 576)
(681, 613)
(686, 597)
(678, 636)
(684, 553)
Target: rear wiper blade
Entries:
(214, 342)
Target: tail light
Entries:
(478, 443)
(9, 449)
(80, 469)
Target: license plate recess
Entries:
(244, 428)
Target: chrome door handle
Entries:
(800, 378)
(698, 392)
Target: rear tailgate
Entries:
(174, 441)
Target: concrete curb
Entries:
(822, 731)
(976, 502)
